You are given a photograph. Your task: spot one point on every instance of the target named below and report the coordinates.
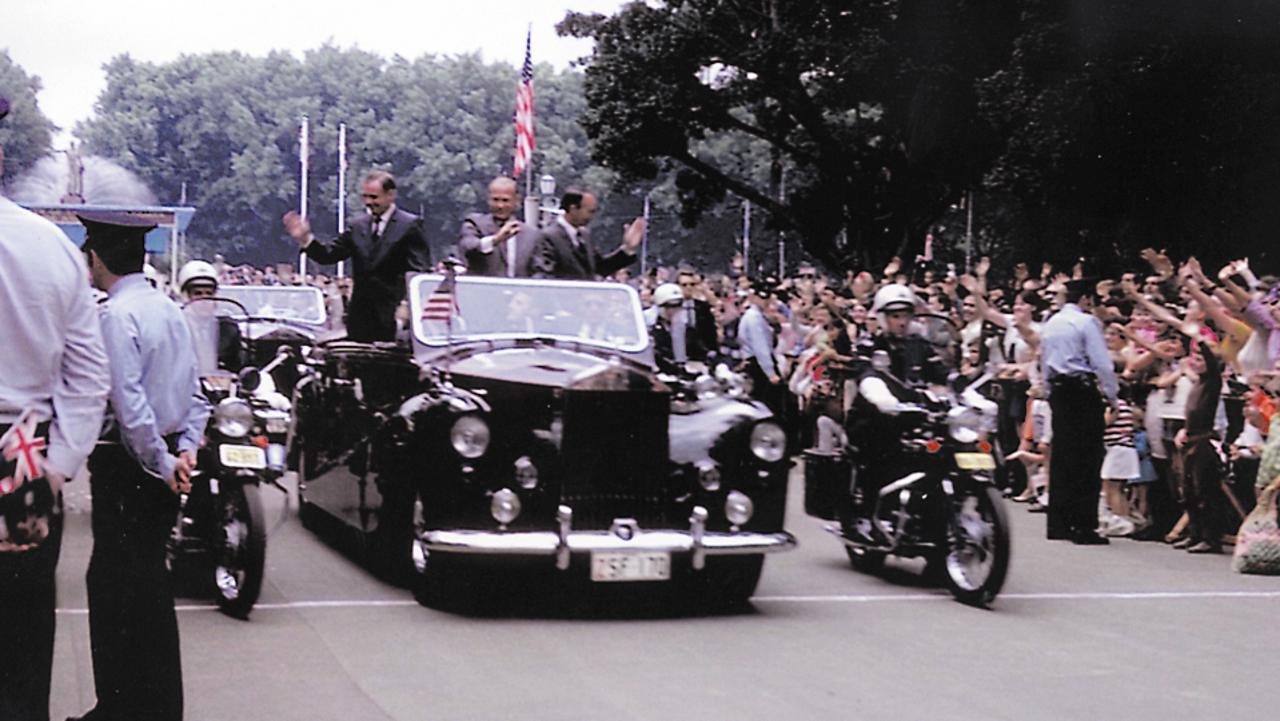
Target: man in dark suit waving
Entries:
(565, 251)
(383, 246)
(495, 243)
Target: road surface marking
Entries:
(835, 598)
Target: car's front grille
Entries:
(615, 458)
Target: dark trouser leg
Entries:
(1202, 494)
(133, 629)
(27, 599)
(1076, 460)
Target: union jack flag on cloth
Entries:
(524, 111)
(23, 454)
(442, 304)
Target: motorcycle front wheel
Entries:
(976, 556)
(241, 549)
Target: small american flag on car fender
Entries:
(442, 304)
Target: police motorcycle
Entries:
(220, 539)
(915, 478)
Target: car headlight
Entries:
(768, 442)
(738, 508)
(505, 506)
(233, 418)
(964, 424)
(470, 436)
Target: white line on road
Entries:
(870, 598)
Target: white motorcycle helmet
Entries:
(197, 270)
(667, 294)
(894, 296)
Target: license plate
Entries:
(630, 566)
(242, 456)
(975, 461)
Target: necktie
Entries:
(690, 319)
(375, 228)
(511, 257)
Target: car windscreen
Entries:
(606, 314)
(299, 305)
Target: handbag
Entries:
(1258, 541)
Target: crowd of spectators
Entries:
(1180, 451)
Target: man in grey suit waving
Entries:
(383, 246)
(495, 243)
(564, 248)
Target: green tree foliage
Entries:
(26, 134)
(841, 116)
(1130, 124)
(1084, 127)
(227, 125)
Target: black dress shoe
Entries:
(1089, 538)
(1057, 535)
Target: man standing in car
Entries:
(383, 245)
(564, 248)
(495, 243)
(137, 471)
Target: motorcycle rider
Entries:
(199, 280)
(880, 412)
(667, 299)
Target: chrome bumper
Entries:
(625, 535)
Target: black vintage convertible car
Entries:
(524, 426)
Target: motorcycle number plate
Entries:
(242, 456)
(975, 461)
(630, 566)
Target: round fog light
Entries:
(505, 506)
(738, 508)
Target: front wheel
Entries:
(976, 556)
(241, 549)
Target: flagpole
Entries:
(746, 238)
(644, 239)
(342, 188)
(303, 151)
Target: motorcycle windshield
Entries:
(205, 318)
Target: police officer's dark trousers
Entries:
(133, 631)
(27, 600)
(1075, 461)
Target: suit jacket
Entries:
(377, 270)
(703, 337)
(479, 225)
(556, 256)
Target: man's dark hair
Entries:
(122, 257)
(385, 180)
(572, 197)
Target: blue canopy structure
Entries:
(169, 220)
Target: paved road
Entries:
(1133, 631)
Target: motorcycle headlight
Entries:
(470, 436)
(233, 418)
(738, 508)
(964, 424)
(768, 442)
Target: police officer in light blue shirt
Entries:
(158, 419)
(1079, 373)
(53, 388)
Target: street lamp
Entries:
(550, 204)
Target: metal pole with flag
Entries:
(524, 127)
(342, 188)
(644, 239)
(304, 149)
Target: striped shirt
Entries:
(1121, 429)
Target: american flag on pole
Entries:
(524, 111)
(442, 304)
